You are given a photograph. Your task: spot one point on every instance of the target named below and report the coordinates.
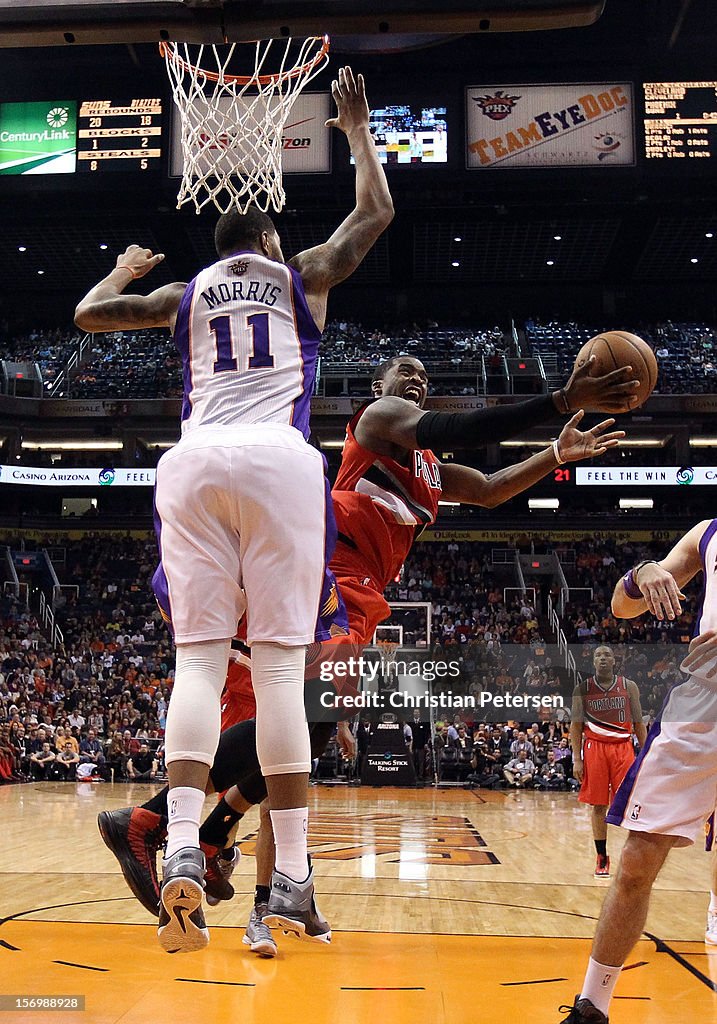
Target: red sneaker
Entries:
(219, 870)
(135, 836)
(602, 867)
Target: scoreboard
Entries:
(63, 136)
(680, 120)
(119, 135)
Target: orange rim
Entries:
(213, 76)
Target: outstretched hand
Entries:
(660, 591)
(613, 392)
(139, 261)
(350, 98)
(575, 444)
(702, 656)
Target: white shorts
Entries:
(241, 521)
(671, 789)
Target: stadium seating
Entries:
(685, 351)
(145, 364)
(116, 666)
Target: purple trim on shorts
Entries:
(160, 586)
(704, 541)
(616, 813)
(333, 616)
(309, 338)
(182, 341)
(710, 833)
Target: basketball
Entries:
(616, 349)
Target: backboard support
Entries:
(82, 22)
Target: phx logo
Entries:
(606, 144)
(107, 476)
(498, 106)
(685, 475)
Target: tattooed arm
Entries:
(328, 264)
(105, 308)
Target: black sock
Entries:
(158, 803)
(261, 894)
(227, 853)
(219, 824)
(601, 847)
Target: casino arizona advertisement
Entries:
(569, 125)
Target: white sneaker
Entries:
(711, 930)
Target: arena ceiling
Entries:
(635, 227)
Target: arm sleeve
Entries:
(445, 430)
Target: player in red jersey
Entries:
(606, 713)
(386, 492)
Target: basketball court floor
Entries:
(444, 904)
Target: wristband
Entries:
(566, 403)
(123, 266)
(556, 453)
(630, 587)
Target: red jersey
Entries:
(381, 506)
(607, 712)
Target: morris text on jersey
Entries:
(238, 291)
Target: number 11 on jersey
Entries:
(259, 356)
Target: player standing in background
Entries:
(243, 517)
(606, 712)
(671, 789)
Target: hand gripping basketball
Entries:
(612, 392)
(138, 261)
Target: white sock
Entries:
(184, 805)
(599, 984)
(713, 903)
(290, 841)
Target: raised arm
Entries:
(327, 265)
(106, 308)
(461, 483)
(392, 422)
(660, 583)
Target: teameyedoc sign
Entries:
(570, 125)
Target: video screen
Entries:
(38, 138)
(410, 134)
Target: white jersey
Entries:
(707, 618)
(248, 345)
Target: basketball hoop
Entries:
(232, 125)
(389, 650)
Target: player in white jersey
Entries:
(243, 512)
(671, 789)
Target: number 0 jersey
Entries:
(608, 712)
(248, 345)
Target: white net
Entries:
(232, 125)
